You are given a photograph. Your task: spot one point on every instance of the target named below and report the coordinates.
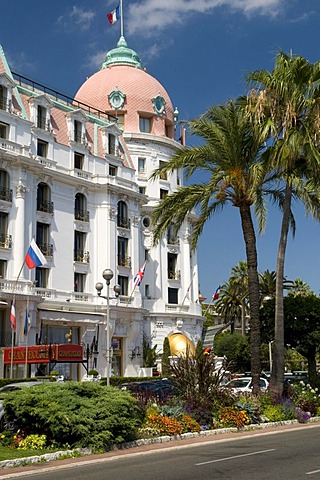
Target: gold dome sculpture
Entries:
(179, 344)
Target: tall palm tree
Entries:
(286, 105)
(299, 287)
(230, 159)
(228, 306)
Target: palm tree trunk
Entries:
(277, 374)
(253, 284)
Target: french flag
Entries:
(114, 15)
(216, 294)
(34, 256)
(138, 278)
(13, 318)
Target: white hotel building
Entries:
(74, 175)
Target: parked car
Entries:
(161, 388)
(244, 384)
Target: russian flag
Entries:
(34, 256)
(138, 278)
(114, 15)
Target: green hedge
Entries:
(75, 414)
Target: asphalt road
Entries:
(277, 455)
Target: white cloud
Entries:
(97, 60)
(77, 17)
(148, 16)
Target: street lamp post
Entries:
(107, 275)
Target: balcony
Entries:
(80, 138)
(123, 222)
(174, 275)
(81, 256)
(5, 194)
(81, 215)
(5, 240)
(45, 206)
(124, 261)
(46, 249)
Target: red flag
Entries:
(13, 318)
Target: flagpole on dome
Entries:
(121, 19)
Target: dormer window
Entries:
(42, 121)
(111, 144)
(79, 132)
(6, 86)
(40, 111)
(144, 124)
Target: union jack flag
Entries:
(139, 276)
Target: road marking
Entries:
(311, 473)
(236, 456)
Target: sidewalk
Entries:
(29, 465)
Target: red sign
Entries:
(43, 354)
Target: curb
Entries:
(47, 457)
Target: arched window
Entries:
(44, 203)
(122, 218)
(80, 208)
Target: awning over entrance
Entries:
(55, 353)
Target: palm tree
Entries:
(299, 287)
(286, 107)
(268, 284)
(230, 155)
(228, 306)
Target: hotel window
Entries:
(122, 217)
(77, 129)
(42, 148)
(42, 239)
(44, 203)
(80, 208)
(79, 282)
(163, 175)
(123, 259)
(4, 130)
(141, 165)
(80, 254)
(5, 103)
(172, 266)
(173, 295)
(142, 190)
(42, 275)
(78, 160)
(5, 192)
(112, 171)
(147, 291)
(3, 268)
(5, 239)
(111, 144)
(123, 282)
(41, 117)
(145, 124)
(163, 193)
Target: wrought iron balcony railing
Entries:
(5, 194)
(45, 206)
(174, 275)
(124, 261)
(81, 256)
(5, 240)
(44, 124)
(82, 215)
(46, 249)
(123, 222)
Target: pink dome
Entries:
(137, 88)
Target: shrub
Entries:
(75, 414)
(233, 417)
(33, 442)
(274, 413)
(188, 424)
(306, 397)
(163, 425)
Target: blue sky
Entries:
(200, 50)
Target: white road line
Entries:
(235, 456)
(311, 473)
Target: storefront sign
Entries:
(43, 354)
